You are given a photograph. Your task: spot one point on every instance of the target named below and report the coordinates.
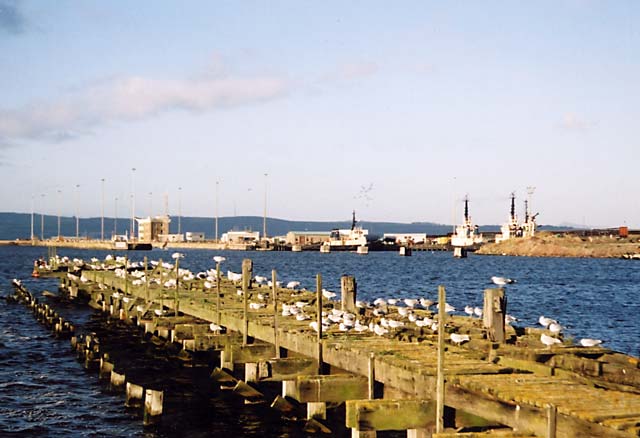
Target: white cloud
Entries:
(572, 122)
(351, 71)
(132, 98)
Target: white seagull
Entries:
(458, 339)
(546, 322)
(588, 342)
(501, 281)
(549, 340)
(218, 259)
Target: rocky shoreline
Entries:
(561, 245)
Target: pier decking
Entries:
(513, 388)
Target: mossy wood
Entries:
(335, 388)
(390, 414)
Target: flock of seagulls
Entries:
(380, 317)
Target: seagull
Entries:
(555, 328)
(158, 312)
(544, 321)
(379, 302)
(218, 259)
(410, 302)
(140, 308)
(426, 303)
(508, 319)
(177, 255)
(588, 342)
(458, 339)
(293, 284)
(392, 301)
(448, 308)
(260, 279)
(378, 330)
(328, 294)
(501, 281)
(549, 340)
(468, 310)
(215, 327)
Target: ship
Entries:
(355, 239)
(466, 235)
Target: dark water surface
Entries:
(44, 391)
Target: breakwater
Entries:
(403, 363)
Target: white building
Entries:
(194, 236)
(241, 237)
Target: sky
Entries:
(397, 110)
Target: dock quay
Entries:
(492, 379)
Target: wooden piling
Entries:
(552, 414)
(495, 310)
(152, 406)
(319, 319)
(135, 394)
(348, 289)
(218, 293)
(146, 281)
(246, 278)
(274, 292)
(442, 299)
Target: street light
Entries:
(150, 204)
(264, 219)
(179, 210)
(59, 195)
(77, 214)
(32, 219)
(133, 202)
(102, 212)
(217, 212)
(42, 218)
(115, 219)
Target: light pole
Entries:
(150, 204)
(59, 195)
(77, 213)
(264, 219)
(133, 202)
(32, 213)
(115, 218)
(42, 218)
(217, 212)
(179, 210)
(102, 212)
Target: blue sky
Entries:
(393, 110)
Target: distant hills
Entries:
(18, 226)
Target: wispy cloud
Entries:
(571, 122)
(350, 72)
(12, 21)
(131, 98)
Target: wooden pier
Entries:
(501, 382)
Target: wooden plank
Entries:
(288, 368)
(334, 388)
(367, 415)
(252, 353)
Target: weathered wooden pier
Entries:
(502, 381)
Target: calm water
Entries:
(44, 391)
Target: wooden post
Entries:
(371, 374)
(348, 288)
(274, 292)
(442, 299)
(319, 319)
(552, 413)
(126, 275)
(135, 394)
(146, 281)
(217, 292)
(246, 278)
(152, 406)
(176, 296)
(495, 309)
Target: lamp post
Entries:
(115, 218)
(133, 202)
(42, 217)
(77, 213)
(264, 219)
(150, 204)
(59, 195)
(102, 212)
(32, 219)
(179, 210)
(217, 212)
